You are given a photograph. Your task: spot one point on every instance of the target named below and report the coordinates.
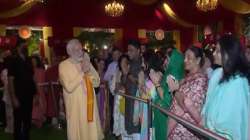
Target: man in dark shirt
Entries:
(131, 83)
(22, 88)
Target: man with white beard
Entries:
(78, 77)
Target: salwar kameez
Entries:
(119, 107)
(176, 69)
(227, 107)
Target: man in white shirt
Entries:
(113, 66)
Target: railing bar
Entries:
(189, 124)
(177, 118)
(132, 97)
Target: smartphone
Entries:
(173, 78)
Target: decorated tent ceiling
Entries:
(138, 13)
(8, 4)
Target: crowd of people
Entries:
(208, 87)
(25, 100)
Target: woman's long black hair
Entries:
(120, 60)
(234, 61)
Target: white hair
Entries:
(70, 45)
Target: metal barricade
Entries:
(202, 131)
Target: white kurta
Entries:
(75, 98)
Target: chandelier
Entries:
(206, 5)
(114, 9)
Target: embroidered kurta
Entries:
(75, 98)
(150, 94)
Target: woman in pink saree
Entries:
(189, 96)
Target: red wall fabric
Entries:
(63, 15)
(186, 37)
(41, 49)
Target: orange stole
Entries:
(90, 98)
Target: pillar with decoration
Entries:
(47, 32)
(2, 30)
(176, 37)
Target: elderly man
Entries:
(78, 77)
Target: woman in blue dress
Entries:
(227, 106)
